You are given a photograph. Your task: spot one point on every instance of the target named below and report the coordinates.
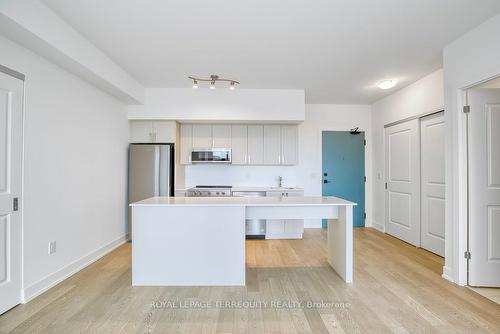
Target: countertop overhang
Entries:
(244, 201)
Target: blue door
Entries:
(344, 169)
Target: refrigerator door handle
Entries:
(157, 171)
(164, 170)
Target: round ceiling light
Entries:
(387, 84)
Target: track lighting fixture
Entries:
(213, 80)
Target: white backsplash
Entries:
(208, 174)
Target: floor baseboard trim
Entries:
(55, 278)
(447, 274)
(378, 226)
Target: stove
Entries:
(209, 191)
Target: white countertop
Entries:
(264, 188)
(252, 188)
(243, 201)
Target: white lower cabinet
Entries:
(284, 228)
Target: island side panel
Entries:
(340, 243)
(188, 245)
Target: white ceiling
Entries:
(337, 50)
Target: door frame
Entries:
(368, 164)
(22, 77)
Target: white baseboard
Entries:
(448, 274)
(51, 280)
(378, 226)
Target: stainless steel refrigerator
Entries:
(150, 173)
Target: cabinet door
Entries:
(255, 144)
(272, 149)
(275, 226)
(164, 131)
(221, 136)
(294, 226)
(186, 143)
(239, 144)
(202, 136)
(141, 131)
(289, 140)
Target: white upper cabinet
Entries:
(239, 144)
(221, 136)
(250, 144)
(153, 131)
(255, 145)
(202, 136)
(186, 134)
(289, 145)
(164, 131)
(141, 131)
(272, 149)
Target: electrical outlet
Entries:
(52, 247)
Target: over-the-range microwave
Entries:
(220, 155)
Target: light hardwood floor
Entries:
(397, 288)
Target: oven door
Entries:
(209, 156)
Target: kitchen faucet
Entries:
(280, 181)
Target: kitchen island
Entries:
(200, 241)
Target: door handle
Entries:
(325, 181)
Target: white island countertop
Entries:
(244, 201)
(200, 241)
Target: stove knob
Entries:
(217, 193)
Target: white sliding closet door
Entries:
(433, 183)
(484, 187)
(402, 153)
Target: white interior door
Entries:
(402, 154)
(11, 103)
(433, 183)
(484, 187)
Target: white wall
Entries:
(423, 96)
(75, 155)
(307, 174)
(473, 58)
(202, 104)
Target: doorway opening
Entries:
(482, 113)
(343, 168)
